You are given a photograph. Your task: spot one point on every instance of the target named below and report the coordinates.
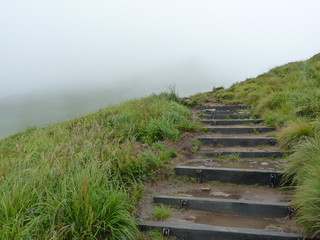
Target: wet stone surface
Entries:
(241, 163)
(231, 220)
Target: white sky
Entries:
(150, 44)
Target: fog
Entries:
(61, 59)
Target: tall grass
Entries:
(80, 179)
(295, 132)
(288, 96)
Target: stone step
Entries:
(221, 112)
(229, 206)
(226, 108)
(231, 121)
(243, 152)
(238, 129)
(194, 231)
(187, 188)
(225, 116)
(232, 175)
(234, 161)
(237, 141)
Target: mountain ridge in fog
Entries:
(40, 108)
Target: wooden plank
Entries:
(192, 231)
(232, 175)
(235, 130)
(230, 206)
(237, 141)
(231, 121)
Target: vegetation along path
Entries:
(149, 162)
(249, 181)
(232, 189)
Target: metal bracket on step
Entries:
(273, 178)
(272, 141)
(255, 120)
(214, 122)
(259, 130)
(166, 232)
(275, 155)
(199, 175)
(214, 141)
(183, 203)
(291, 212)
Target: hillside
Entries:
(82, 179)
(287, 97)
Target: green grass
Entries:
(295, 132)
(161, 212)
(196, 145)
(288, 97)
(81, 179)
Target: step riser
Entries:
(239, 130)
(189, 231)
(238, 207)
(207, 116)
(247, 154)
(225, 108)
(230, 175)
(222, 112)
(232, 122)
(231, 142)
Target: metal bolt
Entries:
(291, 212)
(199, 175)
(272, 180)
(272, 141)
(166, 232)
(183, 203)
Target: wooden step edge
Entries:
(232, 175)
(239, 130)
(237, 141)
(194, 231)
(226, 107)
(244, 154)
(225, 116)
(250, 208)
(231, 121)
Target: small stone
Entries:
(184, 195)
(205, 189)
(274, 228)
(264, 164)
(220, 194)
(191, 217)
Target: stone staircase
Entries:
(234, 180)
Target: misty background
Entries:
(62, 59)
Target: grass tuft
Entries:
(161, 212)
(295, 132)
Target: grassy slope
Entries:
(80, 179)
(288, 97)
